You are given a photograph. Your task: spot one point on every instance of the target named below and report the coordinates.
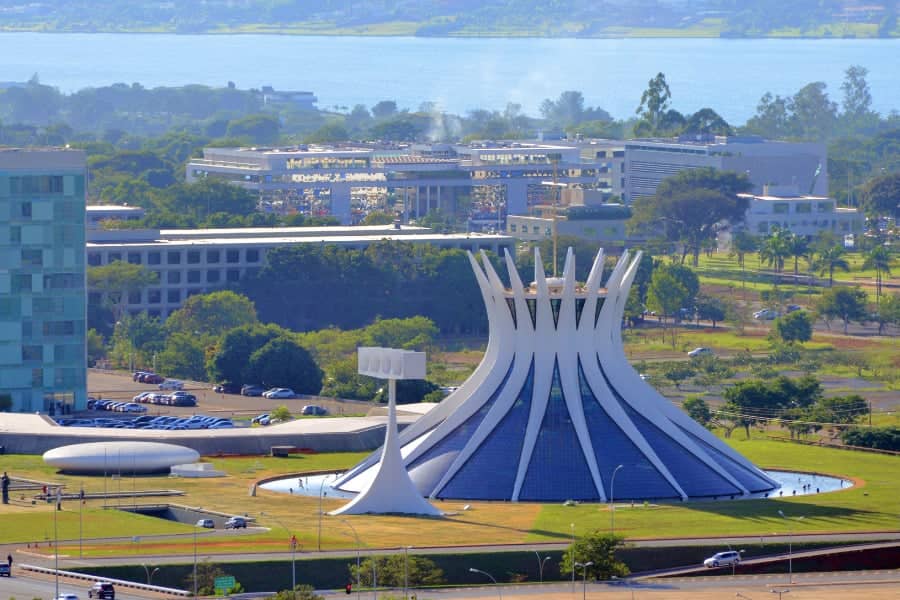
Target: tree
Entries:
(282, 362)
(830, 258)
(797, 247)
(281, 413)
(857, 103)
(879, 259)
(259, 128)
(742, 244)
(96, 347)
(599, 549)
(116, 281)
(794, 327)
(300, 592)
(772, 117)
(396, 570)
(229, 362)
(710, 308)
(384, 109)
(676, 372)
(409, 391)
(666, 296)
(184, 356)
(775, 249)
(690, 208)
(654, 101)
(212, 314)
(889, 310)
(135, 339)
(844, 303)
(697, 409)
(813, 114)
(706, 121)
(881, 196)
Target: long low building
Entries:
(196, 261)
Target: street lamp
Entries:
(406, 572)
(149, 573)
(612, 501)
(584, 567)
(56, 539)
(779, 592)
(790, 545)
(195, 560)
(541, 563)
(358, 544)
(322, 492)
(572, 556)
(499, 592)
(293, 543)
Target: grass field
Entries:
(874, 504)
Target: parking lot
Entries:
(118, 386)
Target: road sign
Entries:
(224, 583)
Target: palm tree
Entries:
(742, 244)
(829, 259)
(878, 258)
(775, 248)
(798, 247)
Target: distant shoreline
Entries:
(413, 33)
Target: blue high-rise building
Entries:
(42, 279)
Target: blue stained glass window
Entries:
(748, 478)
(597, 310)
(456, 439)
(638, 479)
(558, 469)
(490, 472)
(555, 304)
(532, 310)
(695, 477)
(579, 306)
(511, 303)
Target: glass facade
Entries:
(42, 280)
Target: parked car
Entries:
(206, 524)
(171, 384)
(766, 314)
(67, 597)
(723, 559)
(236, 523)
(262, 419)
(134, 407)
(4, 570)
(182, 399)
(227, 388)
(103, 590)
(313, 410)
(793, 308)
(252, 389)
(276, 393)
(151, 378)
(701, 351)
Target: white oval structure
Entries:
(119, 457)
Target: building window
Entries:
(824, 207)
(233, 275)
(174, 277)
(173, 296)
(212, 276)
(212, 257)
(32, 257)
(194, 292)
(20, 282)
(780, 208)
(36, 184)
(194, 276)
(762, 227)
(803, 208)
(26, 210)
(153, 258)
(512, 227)
(174, 257)
(253, 255)
(32, 353)
(233, 257)
(154, 312)
(193, 257)
(94, 259)
(134, 297)
(113, 257)
(134, 258)
(154, 296)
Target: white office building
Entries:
(803, 215)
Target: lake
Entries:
(461, 74)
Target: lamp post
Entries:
(572, 555)
(541, 563)
(779, 592)
(149, 573)
(499, 591)
(584, 568)
(319, 536)
(790, 545)
(195, 560)
(358, 544)
(293, 543)
(612, 501)
(56, 540)
(81, 522)
(406, 572)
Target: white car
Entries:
(701, 351)
(277, 393)
(67, 597)
(766, 314)
(723, 559)
(171, 384)
(134, 407)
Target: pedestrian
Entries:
(9, 560)
(4, 485)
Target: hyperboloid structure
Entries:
(555, 412)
